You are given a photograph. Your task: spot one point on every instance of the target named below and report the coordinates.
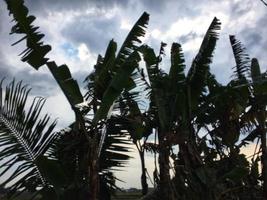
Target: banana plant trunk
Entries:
(143, 175)
(164, 171)
(264, 162)
(262, 126)
(93, 176)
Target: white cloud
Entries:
(83, 52)
(125, 25)
(58, 108)
(192, 45)
(131, 174)
(156, 33)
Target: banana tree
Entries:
(255, 116)
(226, 115)
(258, 105)
(112, 76)
(118, 70)
(139, 127)
(174, 100)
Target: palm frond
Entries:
(114, 154)
(116, 145)
(197, 74)
(241, 58)
(24, 137)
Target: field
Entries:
(127, 196)
(119, 196)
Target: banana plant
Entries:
(139, 127)
(256, 115)
(112, 76)
(119, 71)
(174, 99)
(70, 152)
(228, 113)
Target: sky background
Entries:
(80, 30)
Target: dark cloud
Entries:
(239, 9)
(4, 72)
(41, 84)
(185, 38)
(155, 5)
(43, 7)
(253, 39)
(94, 32)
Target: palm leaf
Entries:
(154, 77)
(115, 76)
(114, 154)
(115, 149)
(24, 137)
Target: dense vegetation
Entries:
(208, 122)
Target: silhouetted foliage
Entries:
(209, 122)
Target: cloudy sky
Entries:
(80, 30)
